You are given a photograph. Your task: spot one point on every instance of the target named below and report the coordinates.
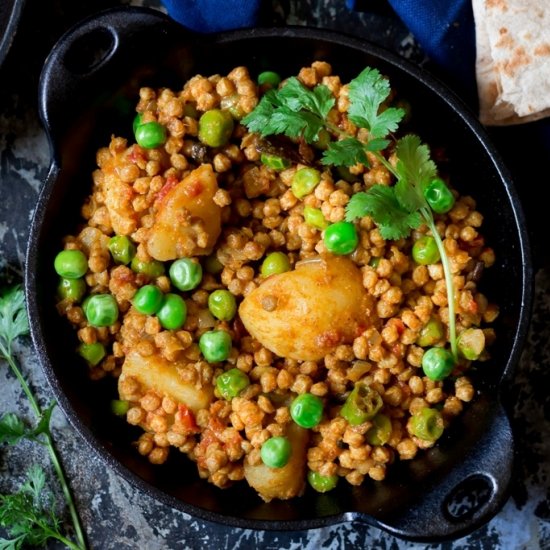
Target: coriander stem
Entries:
(386, 164)
(428, 218)
(51, 449)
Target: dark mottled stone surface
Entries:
(114, 514)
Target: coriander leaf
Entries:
(381, 204)
(12, 429)
(407, 196)
(414, 164)
(257, 120)
(346, 152)
(13, 316)
(16, 511)
(28, 514)
(377, 144)
(367, 92)
(293, 124)
(297, 97)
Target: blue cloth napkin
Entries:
(446, 31)
(444, 28)
(213, 15)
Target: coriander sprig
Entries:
(403, 207)
(299, 112)
(26, 519)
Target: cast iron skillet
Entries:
(10, 14)
(88, 85)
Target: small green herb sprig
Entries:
(28, 515)
(299, 112)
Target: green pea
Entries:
(426, 424)
(315, 218)
(374, 261)
(101, 310)
(122, 249)
(212, 265)
(471, 343)
(380, 431)
(72, 290)
(362, 404)
(185, 274)
(92, 353)
(137, 122)
(148, 299)
(437, 363)
(439, 196)
(222, 305)
(120, 407)
(274, 162)
(341, 238)
(275, 263)
(304, 181)
(322, 484)
(231, 383)
(215, 345)
(431, 333)
(71, 264)
(150, 135)
(269, 79)
(306, 410)
(173, 312)
(215, 127)
(276, 451)
(425, 251)
(151, 269)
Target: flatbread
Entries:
(512, 60)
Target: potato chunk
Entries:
(156, 373)
(188, 221)
(306, 313)
(286, 482)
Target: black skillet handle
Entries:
(90, 52)
(470, 495)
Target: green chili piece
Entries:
(361, 405)
(380, 432)
(315, 218)
(274, 162)
(426, 424)
(92, 353)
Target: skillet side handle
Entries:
(471, 495)
(83, 58)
